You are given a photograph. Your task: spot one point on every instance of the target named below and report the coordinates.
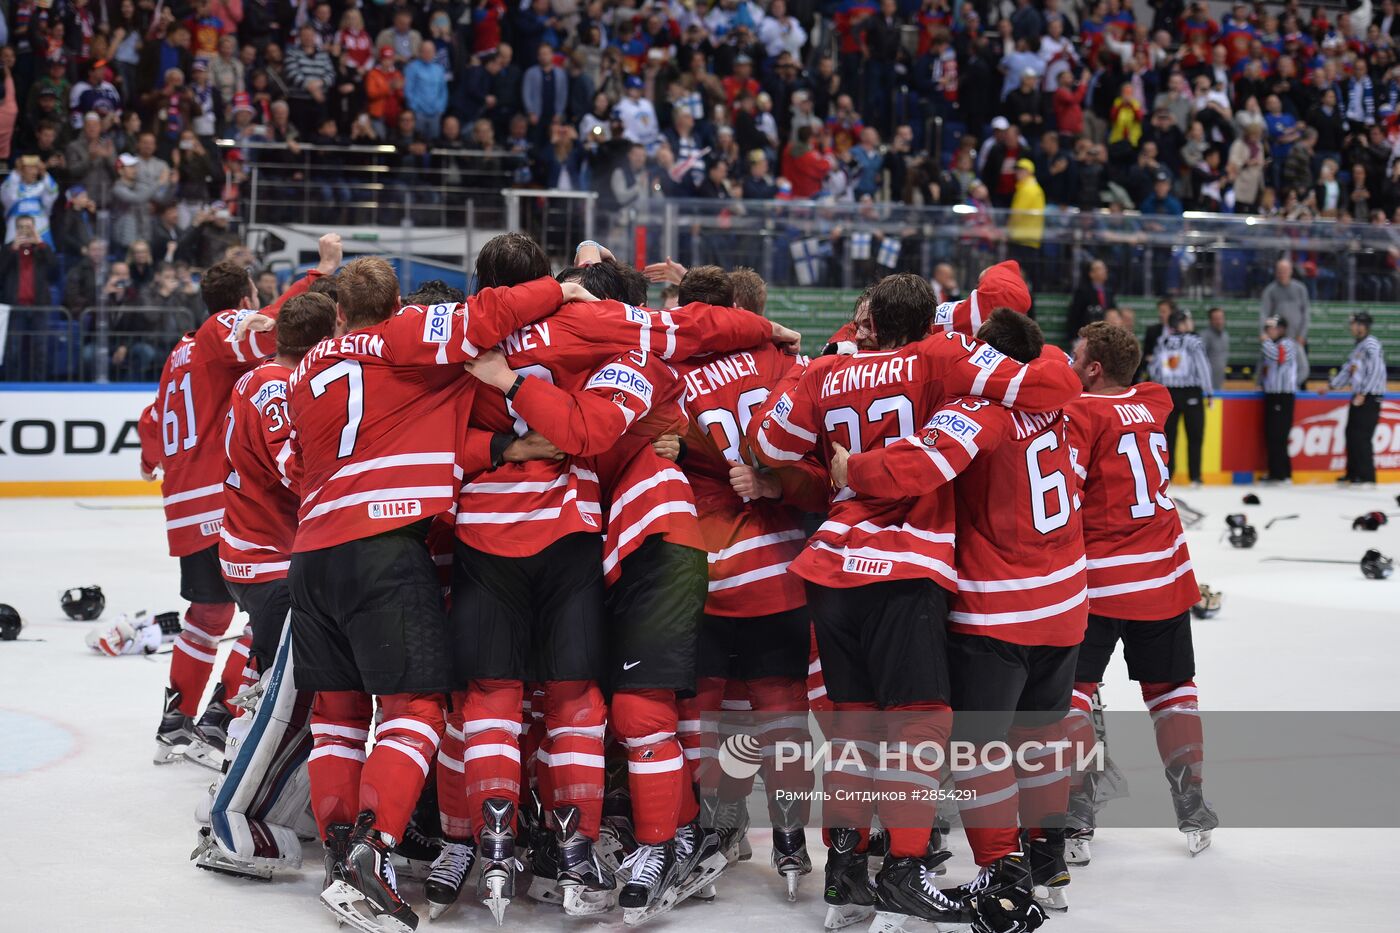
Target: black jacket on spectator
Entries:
(1331, 128)
(43, 268)
(1085, 307)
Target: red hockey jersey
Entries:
(750, 542)
(872, 399)
(380, 414)
(1000, 286)
(1139, 566)
(1020, 543)
(182, 430)
(260, 494)
(521, 508)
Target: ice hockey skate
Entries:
(906, 889)
(849, 896)
(664, 875)
(1000, 898)
(363, 891)
(210, 857)
(790, 857)
(1194, 816)
(449, 872)
(176, 731)
(1049, 871)
(496, 850)
(588, 886)
(211, 733)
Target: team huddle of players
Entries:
(545, 525)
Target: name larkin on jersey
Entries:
(1028, 424)
(870, 375)
(349, 345)
(717, 374)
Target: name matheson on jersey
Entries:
(350, 344)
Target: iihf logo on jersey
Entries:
(740, 756)
(398, 508)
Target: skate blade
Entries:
(545, 891)
(793, 879)
(702, 877)
(841, 916)
(168, 754)
(201, 753)
(581, 902)
(210, 857)
(495, 899)
(340, 899)
(1198, 841)
(745, 850)
(706, 894)
(1049, 898)
(436, 910)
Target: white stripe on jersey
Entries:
(373, 495)
(750, 544)
(199, 519)
(189, 494)
(1136, 586)
(1024, 583)
(1098, 563)
(429, 458)
(1012, 618)
(749, 576)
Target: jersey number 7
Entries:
(350, 371)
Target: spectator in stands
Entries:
(1092, 299)
(132, 199)
(638, 116)
(1217, 345)
(1026, 227)
(27, 268)
(142, 266)
(401, 37)
(309, 71)
(1287, 299)
(91, 158)
(630, 183)
(166, 231)
(1025, 105)
(29, 191)
(76, 225)
(758, 183)
(80, 284)
(545, 93)
(209, 237)
(870, 160)
(945, 283)
(425, 89)
(1245, 168)
(1298, 166)
(384, 92)
(804, 165)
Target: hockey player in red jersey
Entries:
(1015, 623)
(755, 630)
(527, 600)
(999, 286)
(254, 808)
(182, 434)
(637, 395)
(1141, 586)
(378, 411)
(880, 570)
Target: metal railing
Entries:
(803, 243)
(122, 343)
(364, 185)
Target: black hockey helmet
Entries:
(1251, 499)
(1371, 521)
(1209, 604)
(1242, 533)
(10, 622)
(1376, 565)
(83, 603)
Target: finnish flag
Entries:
(809, 260)
(889, 251)
(860, 245)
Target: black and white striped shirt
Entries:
(1278, 371)
(1364, 370)
(1179, 362)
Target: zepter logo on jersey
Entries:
(623, 378)
(437, 324)
(987, 357)
(943, 314)
(637, 315)
(952, 423)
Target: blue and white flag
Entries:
(889, 251)
(860, 245)
(809, 260)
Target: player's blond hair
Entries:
(750, 291)
(368, 292)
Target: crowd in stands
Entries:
(113, 108)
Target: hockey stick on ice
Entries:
(1192, 516)
(1308, 560)
(91, 507)
(1279, 518)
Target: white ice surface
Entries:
(97, 838)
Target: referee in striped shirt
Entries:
(1364, 371)
(1179, 362)
(1278, 377)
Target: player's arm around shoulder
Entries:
(920, 463)
(784, 428)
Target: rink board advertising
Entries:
(78, 440)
